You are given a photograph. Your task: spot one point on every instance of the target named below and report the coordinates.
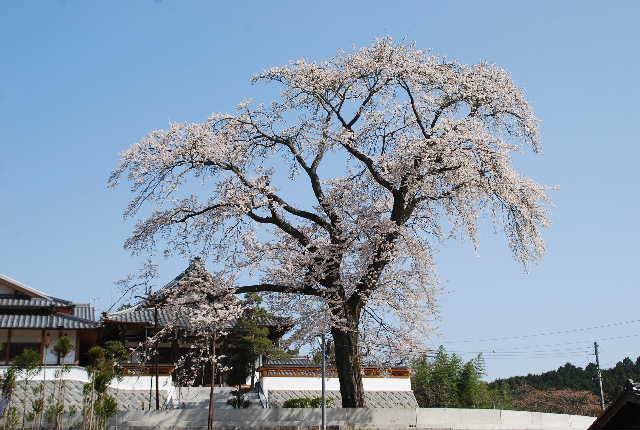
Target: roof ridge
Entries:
(23, 286)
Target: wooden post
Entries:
(77, 352)
(43, 350)
(7, 353)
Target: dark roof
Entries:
(273, 321)
(85, 311)
(142, 313)
(292, 362)
(623, 413)
(11, 300)
(139, 315)
(53, 321)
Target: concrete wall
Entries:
(457, 419)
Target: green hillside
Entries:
(570, 377)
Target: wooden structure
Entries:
(623, 413)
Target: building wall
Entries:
(35, 337)
(26, 336)
(76, 373)
(332, 384)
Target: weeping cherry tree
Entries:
(333, 195)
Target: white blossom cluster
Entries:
(397, 148)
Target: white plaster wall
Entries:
(77, 373)
(386, 384)
(332, 384)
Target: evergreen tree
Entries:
(251, 341)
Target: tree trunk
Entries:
(349, 367)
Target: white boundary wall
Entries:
(77, 373)
(450, 419)
(332, 384)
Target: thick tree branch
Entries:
(277, 288)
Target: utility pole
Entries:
(155, 318)
(595, 347)
(324, 371)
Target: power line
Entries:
(586, 342)
(549, 333)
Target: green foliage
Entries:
(62, 347)
(104, 368)
(9, 382)
(106, 407)
(11, 418)
(28, 361)
(571, 377)
(53, 411)
(445, 381)
(308, 402)
(251, 340)
(238, 400)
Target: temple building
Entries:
(32, 319)
(134, 324)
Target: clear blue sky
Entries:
(81, 80)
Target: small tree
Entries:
(104, 368)
(250, 340)
(28, 363)
(62, 348)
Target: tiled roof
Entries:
(373, 399)
(140, 315)
(272, 321)
(292, 362)
(10, 300)
(57, 320)
(84, 310)
(632, 387)
(623, 412)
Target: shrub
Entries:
(238, 400)
(308, 402)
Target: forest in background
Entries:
(571, 377)
(444, 380)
